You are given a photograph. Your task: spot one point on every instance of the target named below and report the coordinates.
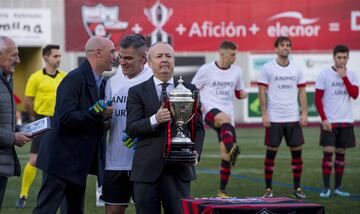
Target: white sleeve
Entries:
(240, 82)
(320, 83)
(108, 94)
(199, 80)
(301, 78)
(354, 79)
(263, 77)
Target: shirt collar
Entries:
(158, 82)
(6, 77)
(51, 75)
(98, 78)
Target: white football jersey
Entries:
(336, 100)
(119, 157)
(217, 87)
(282, 90)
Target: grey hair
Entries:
(136, 41)
(3, 43)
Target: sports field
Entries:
(247, 175)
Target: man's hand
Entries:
(21, 139)
(326, 126)
(128, 141)
(341, 70)
(162, 115)
(303, 120)
(108, 111)
(266, 121)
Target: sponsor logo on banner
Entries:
(201, 27)
(158, 15)
(100, 20)
(27, 27)
(304, 28)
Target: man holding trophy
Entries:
(148, 117)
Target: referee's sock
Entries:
(326, 168)
(27, 179)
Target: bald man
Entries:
(75, 145)
(155, 181)
(9, 162)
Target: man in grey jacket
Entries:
(9, 163)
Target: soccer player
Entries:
(281, 84)
(219, 82)
(40, 98)
(117, 187)
(335, 86)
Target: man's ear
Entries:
(144, 59)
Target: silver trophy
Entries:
(182, 103)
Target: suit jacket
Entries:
(75, 144)
(148, 161)
(9, 162)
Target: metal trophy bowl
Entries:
(181, 108)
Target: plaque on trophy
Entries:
(37, 127)
(182, 110)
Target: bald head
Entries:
(5, 42)
(9, 55)
(160, 45)
(162, 60)
(96, 43)
(100, 52)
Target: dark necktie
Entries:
(163, 94)
(164, 85)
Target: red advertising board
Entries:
(200, 25)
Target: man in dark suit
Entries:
(74, 147)
(154, 180)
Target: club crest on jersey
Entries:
(100, 20)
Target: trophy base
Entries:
(181, 152)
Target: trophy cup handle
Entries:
(190, 118)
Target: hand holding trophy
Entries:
(180, 150)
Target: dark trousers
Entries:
(169, 189)
(53, 190)
(3, 183)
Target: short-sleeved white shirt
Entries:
(217, 87)
(336, 100)
(282, 90)
(119, 157)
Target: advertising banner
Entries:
(200, 25)
(27, 27)
(252, 112)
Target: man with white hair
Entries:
(9, 162)
(156, 182)
(75, 145)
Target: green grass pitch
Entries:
(247, 175)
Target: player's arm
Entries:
(29, 105)
(241, 94)
(262, 99)
(353, 90)
(319, 93)
(303, 105)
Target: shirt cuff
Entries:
(153, 121)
